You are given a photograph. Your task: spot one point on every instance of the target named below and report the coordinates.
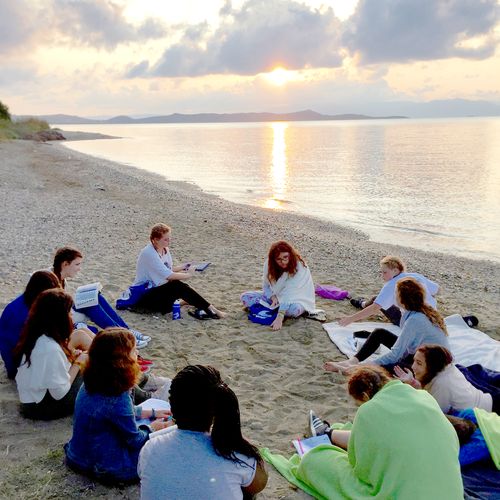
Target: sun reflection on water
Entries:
(278, 171)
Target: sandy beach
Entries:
(54, 197)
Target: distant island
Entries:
(307, 115)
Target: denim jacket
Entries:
(106, 440)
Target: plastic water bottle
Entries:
(176, 310)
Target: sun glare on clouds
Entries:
(279, 76)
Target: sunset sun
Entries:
(279, 76)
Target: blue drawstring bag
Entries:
(261, 314)
(132, 295)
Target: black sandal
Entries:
(200, 314)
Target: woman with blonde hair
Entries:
(420, 324)
(287, 284)
(155, 266)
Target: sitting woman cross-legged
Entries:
(206, 456)
(15, 314)
(155, 265)
(48, 377)
(434, 371)
(287, 282)
(400, 446)
(106, 439)
(420, 323)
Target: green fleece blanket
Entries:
(489, 423)
(401, 447)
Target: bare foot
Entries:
(218, 313)
(340, 366)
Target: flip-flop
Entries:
(200, 314)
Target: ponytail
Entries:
(226, 430)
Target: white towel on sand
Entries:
(468, 345)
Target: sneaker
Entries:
(140, 336)
(140, 344)
(144, 361)
(145, 368)
(163, 392)
(357, 303)
(472, 321)
(317, 426)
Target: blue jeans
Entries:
(103, 315)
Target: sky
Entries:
(150, 57)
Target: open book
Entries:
(157, 404)
(304, 445)
(198, 266)
(87, 295)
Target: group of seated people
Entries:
(63, 366)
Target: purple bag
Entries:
(331, 292)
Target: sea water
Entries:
(431, 184)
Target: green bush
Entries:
(4, 112)
(21, 129)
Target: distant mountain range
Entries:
(307, 115)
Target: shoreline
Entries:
(412, 238)
(55, 196)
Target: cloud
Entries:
(99, 24)
(409, 30)
(255, 38)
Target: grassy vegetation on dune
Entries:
(21, 129)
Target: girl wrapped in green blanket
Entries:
(401, 446)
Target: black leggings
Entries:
(375, 339)
(49, 408)
(393, 313)
(161, 298)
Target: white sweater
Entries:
(453, 391)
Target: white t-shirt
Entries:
(49, 370)
(182, 465)
(452, 390)
(152, 267)
(387, 296)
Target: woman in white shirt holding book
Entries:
(48, 377)
(155, 265)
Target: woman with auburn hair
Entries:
(51, 356)
(67, 264)
(396, 431)
(420, 324)
(106, 440)
(206, 456)
(434, 371)
(155, 265)
(287, 283)
(15, 314)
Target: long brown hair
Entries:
(49, 315)
(274, 271)
(111, 369)
(38, 283)
(64, 254)
(437, 358)
(411, 295)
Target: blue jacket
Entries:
(106, 440)
(11, 324)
